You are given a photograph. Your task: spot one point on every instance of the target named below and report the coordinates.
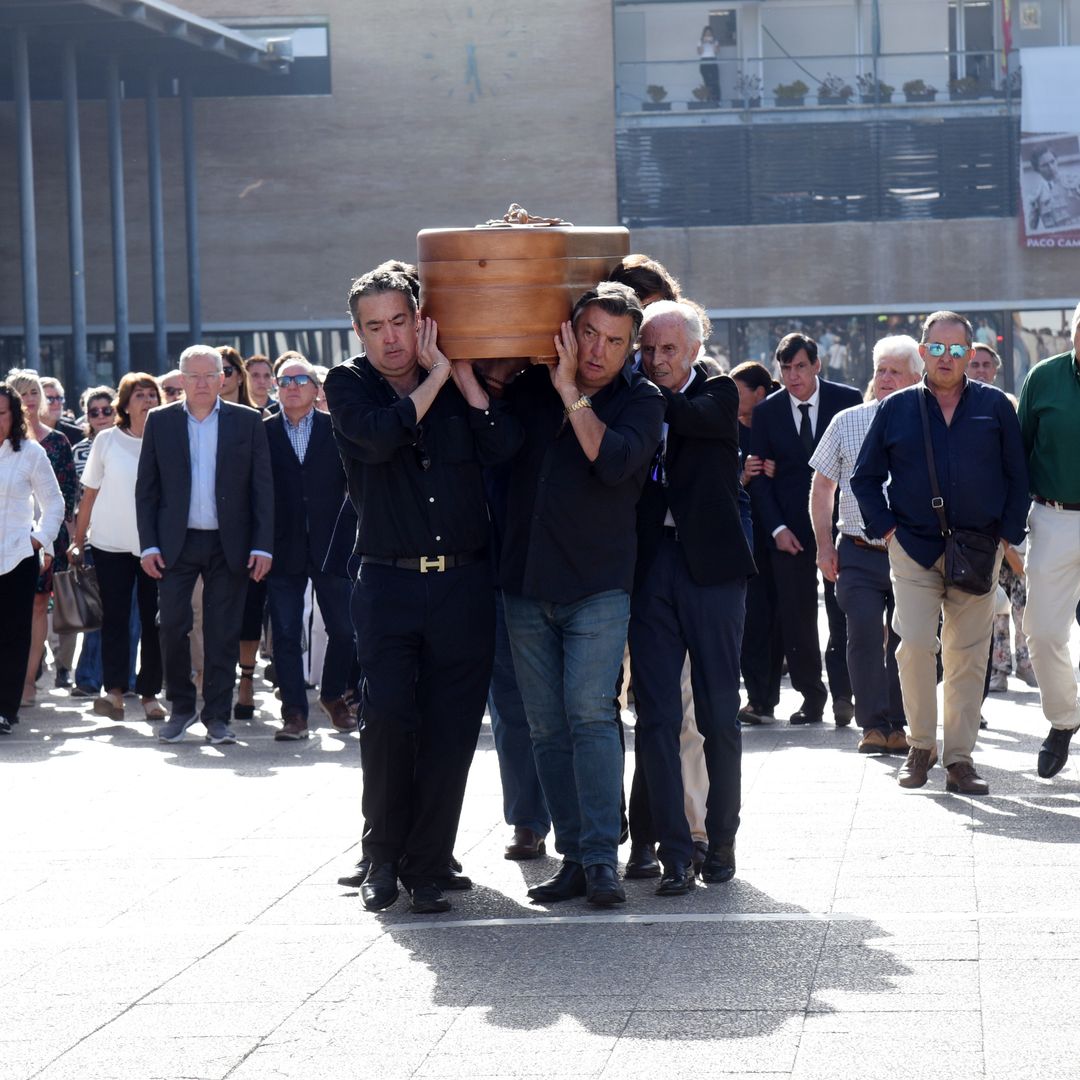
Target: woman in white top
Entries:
(26, 481)
(107, 512)
(710, 70)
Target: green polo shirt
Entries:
(1050, 424)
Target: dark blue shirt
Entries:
(981, 470)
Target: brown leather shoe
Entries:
(294, 727)
(914, 770)
(340, 714)
(525, 845)
(897, 743)
(874, 741)
(964, 780)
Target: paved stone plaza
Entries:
(171, 911)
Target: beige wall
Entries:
(298, 194)
(921, 263)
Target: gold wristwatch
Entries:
(583, 402)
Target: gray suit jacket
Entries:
(243, 486)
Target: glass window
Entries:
(841, 344)
(1035, 336)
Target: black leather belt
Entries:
(858, 541)
(427, 563)
(1055, 505)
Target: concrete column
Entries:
(27, 232)
(191, 211)
(157, 223)
(119, 226)
(79, 373)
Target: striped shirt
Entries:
(300, 432)
(835, 458)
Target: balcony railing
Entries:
(842, 80)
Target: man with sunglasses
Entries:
(982, 476)
(309, 487)
(413, 432)
(172, 386)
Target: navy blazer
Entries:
(701, 467)
(784, 499)
(307, 497)
(243, 490)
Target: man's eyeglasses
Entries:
(228, 371)
(55, 399)
(96, 414)
(290, 380)
(956, 352)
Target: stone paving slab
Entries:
(172, 911)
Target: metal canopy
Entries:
(140, 33)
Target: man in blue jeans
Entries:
(592, 426)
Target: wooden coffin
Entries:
(501, 291)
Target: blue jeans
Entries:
(523, 797)
(88, 671)
(568, 658)
(285, 598)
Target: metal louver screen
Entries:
(817, 172)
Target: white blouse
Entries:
(26, 475)
(111, 469)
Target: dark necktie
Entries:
(805, 432)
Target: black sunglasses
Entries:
(105, 410)
(288, 380)
(228, 371)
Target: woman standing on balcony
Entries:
(710, 69)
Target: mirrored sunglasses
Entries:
(956, 352)
(289, 380)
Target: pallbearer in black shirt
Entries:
(591, 428)
(414, 431)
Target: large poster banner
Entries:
(1050, 147)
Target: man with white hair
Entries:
(1050, 426)
(198, 520)
(859, 565)
(689, 595)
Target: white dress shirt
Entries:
(26, 479)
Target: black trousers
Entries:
(671, 615)
(118, 573)
(223, 609)
(796, 595)
(426, 645)
(762, 645)
(17, 608)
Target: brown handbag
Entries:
(76, 601)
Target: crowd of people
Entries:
(535, 541)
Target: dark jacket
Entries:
(243, 489)
(307, 497)
(701, 467)
(784, 499)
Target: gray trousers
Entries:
(865, 595)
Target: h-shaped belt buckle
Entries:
(438, 563)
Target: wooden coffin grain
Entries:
(502, 292)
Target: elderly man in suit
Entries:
(309, 486)
(689, 595)
(204, 502)
(787, 427)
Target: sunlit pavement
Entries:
(171, 911)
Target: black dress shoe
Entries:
(356, 878)
(1054, 752)
(804, 716)
(526, 844)
(843, 712)
(678, 880)
(380, 888)
(565, 885)
(719, 864)
(701, 851)
(642, 863)
(452, 881)
(427, 899)
(602, 886)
